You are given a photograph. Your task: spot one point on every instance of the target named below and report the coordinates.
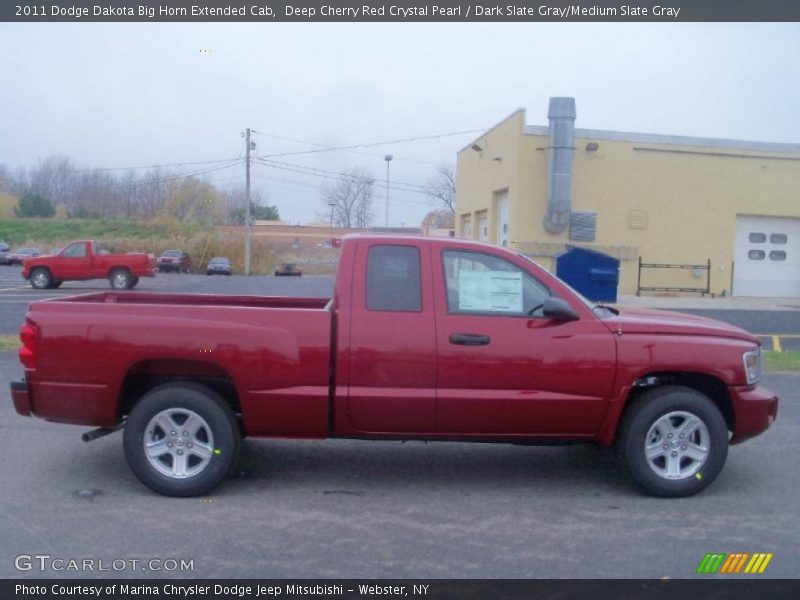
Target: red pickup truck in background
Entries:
(87, 259)
(425, 338)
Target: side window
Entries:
(484, 284)
(75, 251)
(393, 279)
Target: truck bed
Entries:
(96, 349)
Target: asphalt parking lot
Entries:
(346, 508)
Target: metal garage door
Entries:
(767, 256)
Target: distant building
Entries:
(661, 198)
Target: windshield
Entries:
(172, 253)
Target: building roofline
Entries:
(673, 140)
(493, 127)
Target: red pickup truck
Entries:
(88, 259)
(433, 339)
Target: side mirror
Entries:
(558, 310)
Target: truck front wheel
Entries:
(41, 279)
(674, 441)
(181, 439)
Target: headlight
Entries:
(752, 366)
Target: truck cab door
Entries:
(72, 263)
(392, 342)
(506, 369)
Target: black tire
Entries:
(220, 428)
(666, 409)
(40, 278)
(120, 279)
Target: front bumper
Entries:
(21, 397)
(754, 409)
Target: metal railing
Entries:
(697, 290)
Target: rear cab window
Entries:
(394, 279)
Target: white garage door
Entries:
(767, 257)
(502, 218)
(483, 228)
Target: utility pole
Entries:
(247, 207)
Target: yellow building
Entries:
(659, 198)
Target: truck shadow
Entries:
(358, 467)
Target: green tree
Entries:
(258, 212)
(264, 212)
(34, 205)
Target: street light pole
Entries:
(388, 158)
(332, 205)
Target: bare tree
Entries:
(442, 187)
(350, 198)
(440, 218)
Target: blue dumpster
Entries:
(593, 274)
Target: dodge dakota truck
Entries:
(424, 338)
(88, 259)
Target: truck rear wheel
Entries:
(41, 278)
(120, 279)
(181, 439)
(674, 441)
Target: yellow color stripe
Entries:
(765, 563)
(776, 343)
(753, 561)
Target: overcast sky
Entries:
(118, 95)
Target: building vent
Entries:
(582, 225)
(637, 219)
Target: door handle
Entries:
(469, 339)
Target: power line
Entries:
(344, 177)
(399, 185)
(325, 147)
(144, 182)
(315, 187)
(372, 144)
(180, 164)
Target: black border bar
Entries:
(430, 589)
(335, 11)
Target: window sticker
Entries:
(490, 291)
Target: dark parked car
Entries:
(174, 260)
(288, 270)
(4, 250)
(18, 256)
(218, 266)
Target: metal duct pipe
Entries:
(561, 114)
